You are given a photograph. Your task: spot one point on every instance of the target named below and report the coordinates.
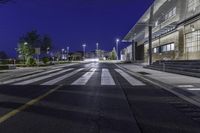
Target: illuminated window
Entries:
(168, 47)
(172, 46)
(156, 23)
(156, 50)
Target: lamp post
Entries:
(67, 52)
(63, 53)
(117, 45)
(97, 49)
(97, 46)
(84, 45)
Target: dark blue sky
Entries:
(70, 22)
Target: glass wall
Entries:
(192, 41)
(192, 4)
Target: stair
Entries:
(184, 67)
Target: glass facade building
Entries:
(175, 30)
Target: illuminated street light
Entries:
(117, 45)
(84, 45)
(97, 46)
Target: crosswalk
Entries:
(85, 78)
(64, 76)
(106, 78)
(41, 78)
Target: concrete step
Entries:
(177, 71)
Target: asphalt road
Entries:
(91, 98)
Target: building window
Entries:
(171, 13)
(168, 47)
(156, 50)
(172, 47)
(192, 41)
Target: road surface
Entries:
(91, 98)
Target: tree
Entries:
(113, 55)
(25, 51)
(28, 44)
(32, 38)
(46, 44)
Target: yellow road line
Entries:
(27, 105)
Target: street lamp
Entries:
(63, 54)
(84, 45)
(97, 49)
(25, 43)
(97, 46)
(67, 52)
(117, 45)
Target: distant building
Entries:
(76, 56)
(175, 31)
(126, 54)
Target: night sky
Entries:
(70, 22)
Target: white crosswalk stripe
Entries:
(59, 75)
(30, 76)
(130, 79)
(85, 78)
(42, 77)
(106, 78)
(54, 81)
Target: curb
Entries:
(193, 100)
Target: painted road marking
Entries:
(131, 80)
(193, 89)
(27, 105)
(42, 77)
(106, 78)
(185, 86)
(85, 78)
(54, 81)
(30, 76)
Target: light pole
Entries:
(67, 53)
(117, 45)
(97, 49)
(97, 46)
(63, 53)
(84, 45)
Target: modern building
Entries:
(170, 28)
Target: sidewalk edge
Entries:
(162, 85)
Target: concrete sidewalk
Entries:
(185, 87)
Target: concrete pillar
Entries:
(133, 51)
(150, 33)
